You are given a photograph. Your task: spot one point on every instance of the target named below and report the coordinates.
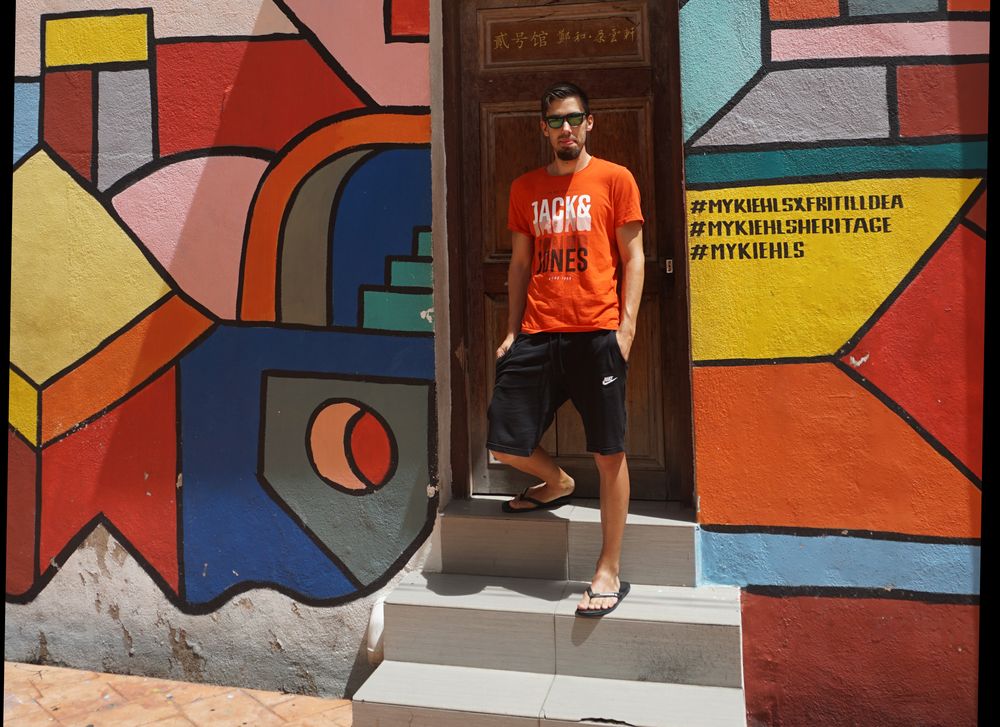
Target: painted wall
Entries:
(222, 411)
(835, 164)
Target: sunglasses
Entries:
(556, 122)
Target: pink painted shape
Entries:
(880, 40)
(327, 444)
(354, 32)
(191, 216)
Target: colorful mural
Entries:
(836, 196)
(222, 319)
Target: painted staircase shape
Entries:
(478, 645)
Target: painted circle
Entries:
(351, 446)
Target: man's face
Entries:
(567, 141)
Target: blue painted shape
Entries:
(233, 532)
(890, 7)
(26, 100)
(383, 200)
(849, 562)
(720, 53)
(788, 164)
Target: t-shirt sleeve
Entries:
(626, 199)
(517, 212)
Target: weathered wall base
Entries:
(103, 612)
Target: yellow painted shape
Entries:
(76, 277)
(811, 305)
(93, 39)
(22, 406)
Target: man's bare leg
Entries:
(613, 469)
(555, 482)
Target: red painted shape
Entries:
(936, 100)
(978, 212)
(804, 9)
(68, 116)
(22, 465)
(926, 351)
(968, 5)
(411, 17)
(859, 661)
(124, 465)
(371, 449)
(242, 93)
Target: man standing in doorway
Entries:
(577, 233)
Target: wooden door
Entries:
(502, 54)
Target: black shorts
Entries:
(540, 371)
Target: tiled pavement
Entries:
(48, 695)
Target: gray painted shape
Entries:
(305, 244)
(890, 7)
(807, 104)
(124, 124)
(367, 532)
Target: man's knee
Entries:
(610, 462)
(502, 457)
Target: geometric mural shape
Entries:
(228, 511)
(261, 276)
(22, 406)
(350, 446)
(882, 40)
(926, 351)
(122, 466)
(802, 445)
(803, 9)
(68, 118)
(367, 529)
(807, 104)
(178, 19)
(91, 39)
(408, 18)
(716, 34)
(977, 215)
(257, 94)
(22, 471)
(891, 7)
(796, 269)
(124, 124)
(76, 276)
(393, 74)
(305, 287)
(943, 99)
(191, 215)
(384, 199)
(26, 109)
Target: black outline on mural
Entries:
(841, 177)
(847, 20)
(391, 37)
(861, 142)
(867, 61)
(154, 93)
(179, 485)
(894, 594)
(765, 35)
(808, 532)
(181, 39)
(162, 162)
(284, 151)
(321, 50)
(363, 409)
(892, 98)
(95, 111)
(975, 228)
(283, 224)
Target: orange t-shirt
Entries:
(575, 263)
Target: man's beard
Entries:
(569, 153)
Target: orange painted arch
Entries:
(803, 445)
(260, 266)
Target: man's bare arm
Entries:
(629, 237)
(518, 275)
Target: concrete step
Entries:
(658, 634)
(432, 695)
(563, 544)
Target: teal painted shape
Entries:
(890, 7)
(831, 161)
(388, 310)
(424, 244)
(410, 274)
(720, 52)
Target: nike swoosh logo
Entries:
(608, 380)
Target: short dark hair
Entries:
(564, 89)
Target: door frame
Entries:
(676, 317)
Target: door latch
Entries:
(668, 265)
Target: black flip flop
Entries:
(538, 504)
(595, 612)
